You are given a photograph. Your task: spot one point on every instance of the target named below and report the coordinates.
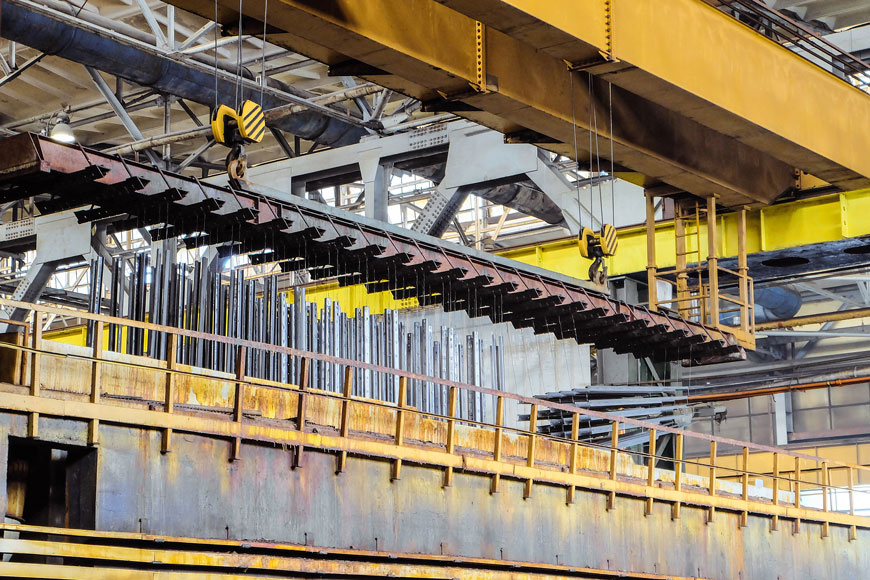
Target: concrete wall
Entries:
(194, 491)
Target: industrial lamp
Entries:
(61, 131)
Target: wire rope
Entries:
(216, 26)
(612, 162)
(593, 126)
(263, 57)
(576, 152)
(239, 89)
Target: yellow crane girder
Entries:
(817, 220)
(677, 111)
(700, 63)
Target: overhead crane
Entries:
(675, 112)
(604, 79)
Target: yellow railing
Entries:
(696, 293)
(99, 391)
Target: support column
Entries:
(712, 261)
(613, 368)
(376, 178)
(780, 420)
(651, 252)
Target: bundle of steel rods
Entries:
(655, 404)
(153, 287)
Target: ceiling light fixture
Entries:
(61, 131)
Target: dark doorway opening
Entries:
(49, 484)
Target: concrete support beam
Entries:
(377, 179)
(780, 423)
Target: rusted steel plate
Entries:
(302, 234)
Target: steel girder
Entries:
(520, 90)
(303, 234)
(702, 64)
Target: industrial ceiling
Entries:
(30, 99)
(831, 14)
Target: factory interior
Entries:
(454, 289)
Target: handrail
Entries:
(408, 375)
(785, 30)
(262, 383)
(712, 497)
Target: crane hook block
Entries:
(247, 125)
(592, 246)
(596, 248)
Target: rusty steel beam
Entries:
(203, 423)
(110, 553)
(301, 234)
(517, 89)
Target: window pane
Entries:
(815, 420)
(810, 399)
(762, 429)
(761, 405)
(736, 408)
(850, 395)
(850, 417)
(735, 428)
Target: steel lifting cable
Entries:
(216, 26)
(576, 153)
(591, 153)
(263, 57)
(593, 125)
(612, 162)
(239, 90)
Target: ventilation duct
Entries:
(774, 303)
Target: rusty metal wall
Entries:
(194, 491)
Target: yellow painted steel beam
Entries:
(827, 218)
(283, 559)
(189, 545)
(700, 62)
(516, 88)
